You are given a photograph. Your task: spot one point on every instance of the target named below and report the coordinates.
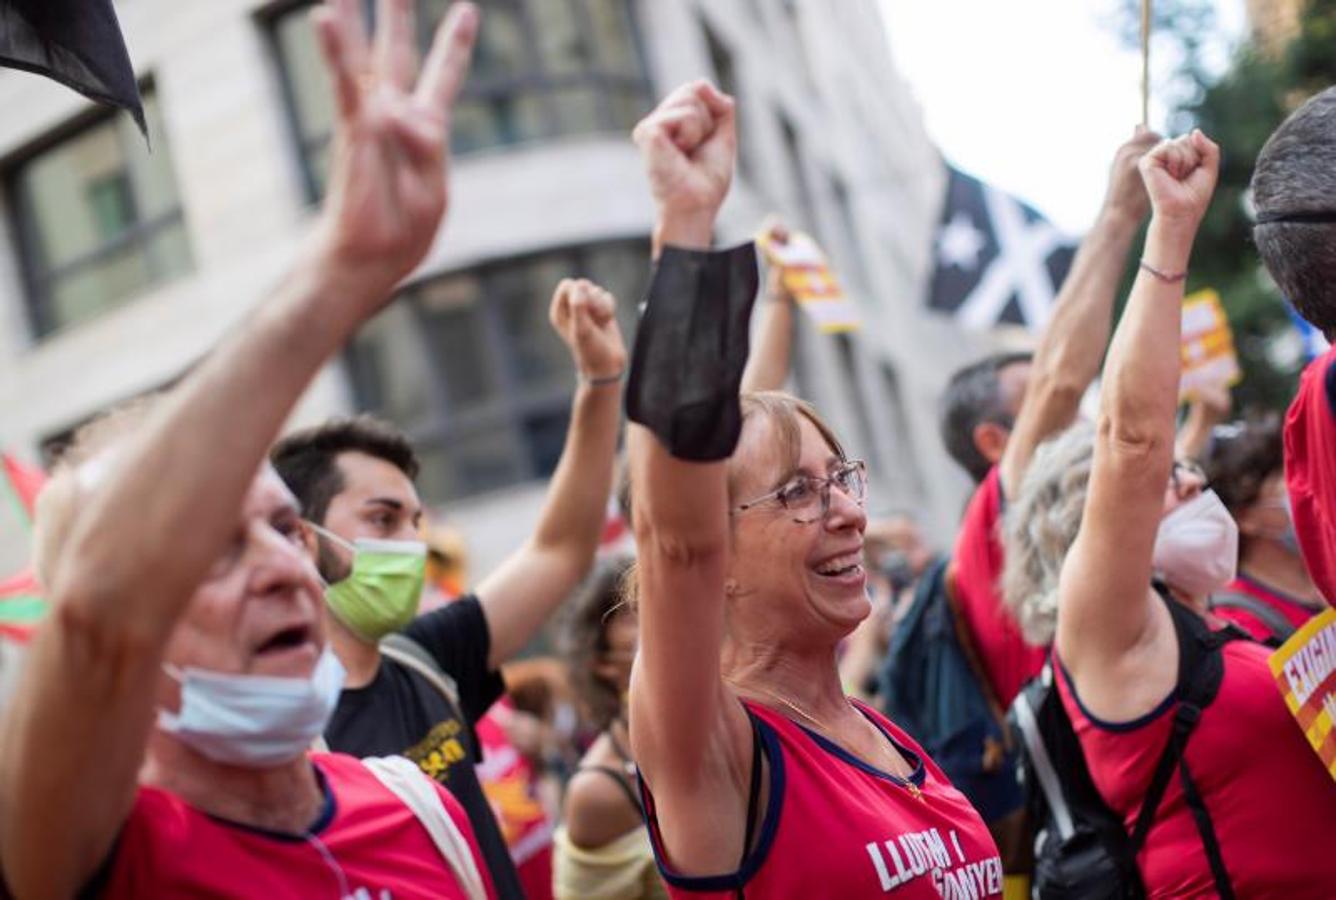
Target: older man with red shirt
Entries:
(158, 744)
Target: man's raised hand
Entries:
(1126, 194)
(689, 145)
(388, 181)
(585, 316)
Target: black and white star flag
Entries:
(996, 259)
(75, 42)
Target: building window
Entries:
(98, 219)
(541, 69)
(726, 77)
(469, 367)
(801, 196)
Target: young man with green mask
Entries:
(354, 480)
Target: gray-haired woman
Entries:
(1113, 549)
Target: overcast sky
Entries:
(1033, 96)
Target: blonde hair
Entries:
(1041, 522)
(64, 491)
(785, 412)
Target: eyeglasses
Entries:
(808, 498)
(1189, 468)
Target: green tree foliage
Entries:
(1239, 109)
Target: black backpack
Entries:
(1082, 848)
(1277, 624)
(933, 688)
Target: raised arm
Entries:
(768, 366)
(1205, 411)
(1069, 353)
(165, 507)
(1106, 610)
(691, 738)
(529, 585)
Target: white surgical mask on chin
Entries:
(1197, 546)
(253, 720)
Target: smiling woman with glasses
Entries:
(759, 777)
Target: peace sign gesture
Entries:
(388, 183)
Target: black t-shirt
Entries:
(400, 712)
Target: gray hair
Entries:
(1041, 523)
(1296, 174)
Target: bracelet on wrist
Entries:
(603, 380)
(1167, 277)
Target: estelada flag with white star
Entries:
(1207, 345)
(808, 278)
(75, 42)
(998, 260)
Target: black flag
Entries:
(75, 42)
(996, 259)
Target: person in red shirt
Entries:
(1272, 595)
(1292, 188)
(158, 744)
(995, 412)
(1102, 512)
(759, 775)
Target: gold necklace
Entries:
(829, 732)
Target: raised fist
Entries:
(688, 144)
(585, 316)
(1180, 177)
(1126, 195)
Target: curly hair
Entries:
(583, 637)
(1041, 523)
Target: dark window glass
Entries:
(541, 69)
(468, 365)
(98, 219)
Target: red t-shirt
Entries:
(1269, 798)
(1007, 659)
(836, 827)
(1310, 469)
(1295, 612)
(366, 844)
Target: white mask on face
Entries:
(253, 720)
(1197, 547)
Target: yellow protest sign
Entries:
(1305, 669)
(1207, 345)
(808, 278)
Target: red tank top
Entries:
(837, 827)
(1269, 799)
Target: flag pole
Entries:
(1145, 63)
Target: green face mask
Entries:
(381, 593)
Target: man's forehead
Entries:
(368, 478)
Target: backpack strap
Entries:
(1049, 782)
(1275, 623)
(1201, 668)
(407, 652)
(405, 780)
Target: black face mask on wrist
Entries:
(691, 348)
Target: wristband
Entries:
(603, 380)
(1163, 276)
